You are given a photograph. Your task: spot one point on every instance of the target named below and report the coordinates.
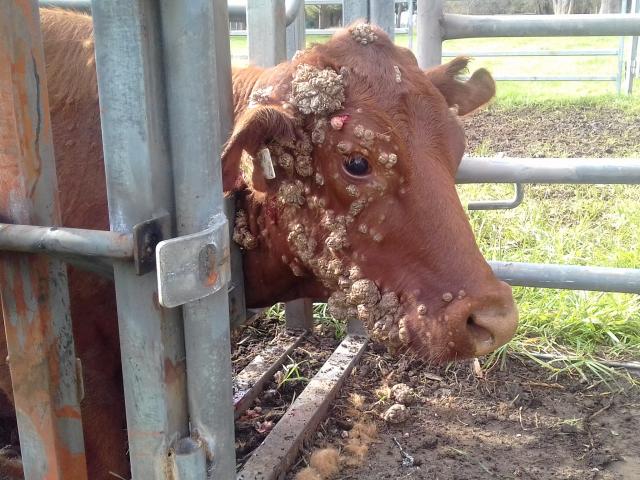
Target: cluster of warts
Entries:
(319, 242)
(241, 234)
(316, 91)
(363, 33)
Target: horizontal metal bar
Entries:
(568, 277)
(236, 7)
(77, 241)
(536, 53)
(480, 26)
(549, 170)
(557, 78)
(499, 204)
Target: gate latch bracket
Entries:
(193, 266)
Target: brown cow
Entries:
(342, 162)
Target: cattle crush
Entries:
(170, 436)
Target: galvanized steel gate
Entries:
(434, 27)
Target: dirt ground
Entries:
(514, 423)
(553, 131)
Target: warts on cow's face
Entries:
(291, 193)
(344, 147)
(352, 190)
(316, 91)
(260, 96)
(241, 233)
(388, 160)
(363, 33)
(398, 76)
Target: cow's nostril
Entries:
(480, 335)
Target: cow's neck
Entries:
(268, 278)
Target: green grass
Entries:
(583, 225)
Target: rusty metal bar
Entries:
(34, 288)
(76, 241)
(136, 153)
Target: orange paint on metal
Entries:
(33, 286)
(212, 278)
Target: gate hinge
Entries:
(193, 266)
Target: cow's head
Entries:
(365, 147)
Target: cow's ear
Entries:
(467, 95)
(255, 128)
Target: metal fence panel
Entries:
(480, 26)
(198, 73)
(549, 170)
(33, 289)
(134, 134)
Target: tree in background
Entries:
(610, 6)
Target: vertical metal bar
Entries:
(266, 32)
(296, 33)
(190, 460)
(430, 17)
(383, 14)
(620, 69)
(632, 59)
(353, 10)
(33, 288)
(136, 154)
(410, 24)
(299, 314)
(198, 74)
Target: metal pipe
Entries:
(536, 53)
(382, 13)
(296, 36)
(353, 10)
(499, 204)
(34, 299)
(79, 5)
(549, 170)
(632, 58)
(410, 24)
(136, 154)
(620, 69)
(568, 277)
(556, 78)
(76, 241)
(189, 460)
(266, 32)
(480, 26)
(197, 66)
(236, 7)
(430, 36)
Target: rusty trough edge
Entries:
(248, 384)
(276, 454)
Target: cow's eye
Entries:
(357, 165)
